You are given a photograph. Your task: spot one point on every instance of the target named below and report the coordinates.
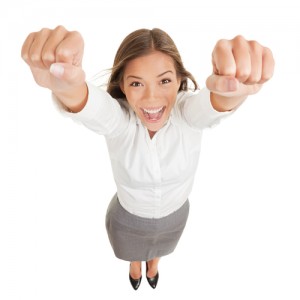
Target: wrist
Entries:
(73, 100)
(222, 103)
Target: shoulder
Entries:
(180, 105)
(186, 94)
(182, 96)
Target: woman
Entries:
(152, 124)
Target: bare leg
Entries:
(135, 269)
(152, 267)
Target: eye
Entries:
(135, 84)
(165, 81)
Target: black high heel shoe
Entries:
(135, 282)
(152, 281)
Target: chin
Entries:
(153, 129)
(154, 126)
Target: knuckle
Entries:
(63, 53)
(44, 31)
(31, 36)
(227, 71)
(255, 47)
(220, 48)
(76, 36)
(34, 57)
(75, 33)
(239, 39)
(243, 75)
(221, 44)
(254, 79)
(60, 28)
(48, 57)
(25, 57)
(266, 76)
(268, 53)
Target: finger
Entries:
(242, 58)
(48, 55)
(255, 50)
(230, 87)
(223, 60)
(35, 51)
(70, 50)
(268, 65)
(222, 84)
(26, 47)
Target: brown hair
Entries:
(142, 42)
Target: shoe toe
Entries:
(135, 282)
(153, 281)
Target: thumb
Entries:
(70, 74)
(222, 84)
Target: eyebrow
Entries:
(162, 74)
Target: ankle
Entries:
(135, 270)
(152, 268)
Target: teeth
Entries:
(152, 111)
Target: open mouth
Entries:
(153, 114)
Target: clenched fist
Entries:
(55, 58)
(240, 67)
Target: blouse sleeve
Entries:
(102, 113)
(198, 112)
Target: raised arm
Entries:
(240, 68)
(55, 60)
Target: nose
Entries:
(151, 95)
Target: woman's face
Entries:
(151, 85)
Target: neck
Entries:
(151, 133)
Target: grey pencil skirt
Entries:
(134, 238)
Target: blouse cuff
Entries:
(90, 109)
(200, 113)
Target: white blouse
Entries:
(154, 177)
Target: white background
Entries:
(242, 237)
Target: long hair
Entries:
(142, 42)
